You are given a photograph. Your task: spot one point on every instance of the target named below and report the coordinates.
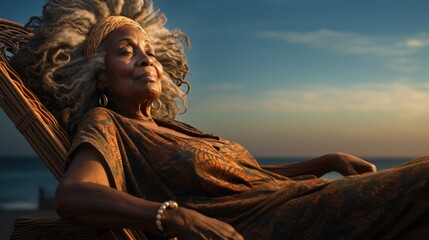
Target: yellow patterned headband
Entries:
(102, 28)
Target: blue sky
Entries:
(297, 77)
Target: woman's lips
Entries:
(146, 77)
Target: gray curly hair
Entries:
(54, 66)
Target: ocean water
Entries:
(21, 178)
(20, 181)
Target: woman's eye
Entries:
(150, 54)
(126, 53)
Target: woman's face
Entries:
(132, 74)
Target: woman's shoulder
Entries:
(98, 116)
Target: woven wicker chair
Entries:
(47, 138)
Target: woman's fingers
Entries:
(352, 165)
(224, 231)
(361, 169)
(215, 229)
(189, 224)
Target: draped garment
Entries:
(221, 179)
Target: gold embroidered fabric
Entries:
(221, 179)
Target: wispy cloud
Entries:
(392, 97)
(403, 64)
(352, 43)
(417, 43)
(224, 86)
(358, 44)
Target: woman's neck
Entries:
(136, 114)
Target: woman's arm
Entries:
(342, 163)
(85, 194)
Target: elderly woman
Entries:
(111, 74)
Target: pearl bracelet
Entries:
(164, 206)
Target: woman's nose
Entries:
(145, 60)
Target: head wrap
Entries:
(102, 28)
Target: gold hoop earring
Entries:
(156, 106)
(103, 100)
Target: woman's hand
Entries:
(188, 224)
(343, 163)
(346, 164)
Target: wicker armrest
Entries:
(50, 228)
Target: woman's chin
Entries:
(149, 91)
